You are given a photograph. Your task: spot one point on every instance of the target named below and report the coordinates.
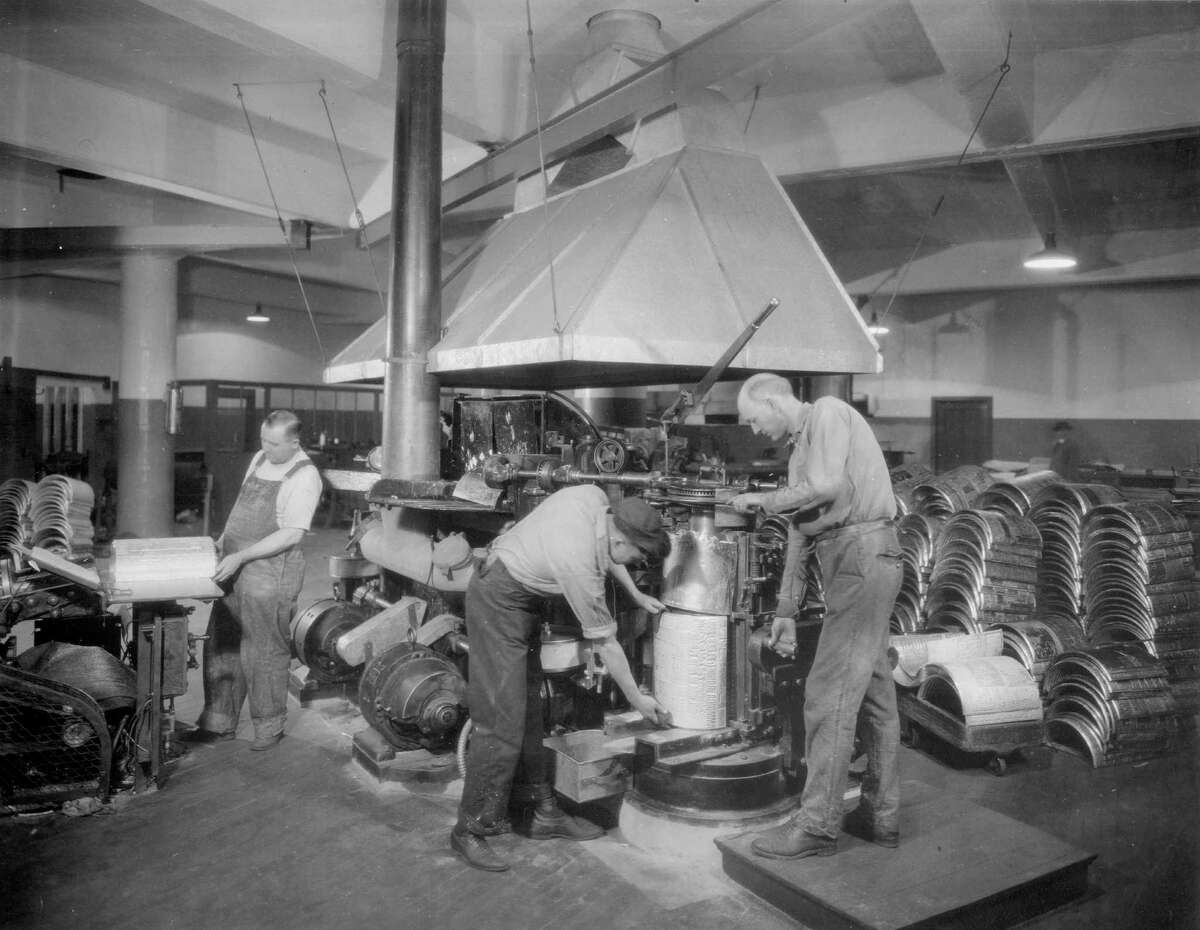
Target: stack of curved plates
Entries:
(61, 512)
(770, 547)
(917, 534)
(984, 571)
(951, 492)
(1058, 511)
(1110, 704)
(1016, 495)
(1139, 586)
(15, 497)
(1035, 642)
(904, 479)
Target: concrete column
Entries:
(145, 452)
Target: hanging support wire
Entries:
(358, 216)
(537, 114)
(1003, 70)
(282, 226)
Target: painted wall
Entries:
(1121, 363)
(60, 324)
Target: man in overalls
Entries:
(841, 505)
(248, 650)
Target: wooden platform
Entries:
(958, 866)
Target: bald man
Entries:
(841, 507)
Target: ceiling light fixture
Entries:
(875, 328)
(257, 316)
(1050, 258)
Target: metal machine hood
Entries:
(642, 277)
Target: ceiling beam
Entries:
(132, 139)
(765, 30)
(22, 243)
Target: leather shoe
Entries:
(476, 851)
(859, 823)
(791, 841)
(201, 735)
(263, 743)
(560, 825)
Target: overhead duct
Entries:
(642, 275)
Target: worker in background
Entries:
(261, 565)
(1064, 454)
(567, 545)
(841, 507)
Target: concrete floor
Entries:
(302, 837)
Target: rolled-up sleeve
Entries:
(585, 594)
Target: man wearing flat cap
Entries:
(568, 545)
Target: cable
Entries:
(362, 224)
(1004, 68)
(537, 116)
(282, 225)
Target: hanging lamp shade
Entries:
(1051, 257)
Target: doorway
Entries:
(962, 432)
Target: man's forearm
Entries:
(279, 541)
(794, 583)
(794, 497)
(614, 659)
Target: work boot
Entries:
(476, 851)
(791, 841)
(550, 822)
(263, 743)
(860, 823)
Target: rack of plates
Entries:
(1016, 495)
(16, 495)
(61, 514)
(1139, 586)
(945, 494)
(984, 571)
(1058, 511)
(1037, 641)
(916, 533)
(1110, 705)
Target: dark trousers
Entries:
(503, 696)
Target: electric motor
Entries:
(413, 696)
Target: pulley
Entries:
(315, 632)
(413, 696)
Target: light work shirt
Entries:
(562, 548)
(298, 496)
(833, 447)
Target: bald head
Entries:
(768, 406)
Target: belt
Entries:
(854, 529)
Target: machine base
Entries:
(385, 763)
(710, 775)
(958, 866)
(308, 690)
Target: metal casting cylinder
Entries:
(689, 668)
(700, 572)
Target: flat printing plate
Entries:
(958, 864)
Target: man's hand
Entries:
(783, 636)
(228, 567)
(651, 604)
(647, 705)
(745, 503)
